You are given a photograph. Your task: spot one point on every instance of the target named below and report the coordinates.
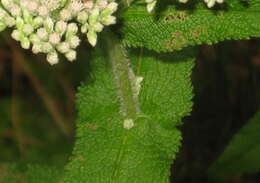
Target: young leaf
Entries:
(174, 27)
(242, 153)
(127, 126)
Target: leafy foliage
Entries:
(107, 152)
(242, 153)
(174, 27)
(127, 128)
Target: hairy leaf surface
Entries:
(174, 27)
(105, 151)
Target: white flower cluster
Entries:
(210, 3)
(52, 26)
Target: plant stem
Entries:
(124, 75)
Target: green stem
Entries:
(124, 75)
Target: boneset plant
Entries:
(128, 116)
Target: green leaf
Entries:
(242, 153)
(175, 27)
(107, 152)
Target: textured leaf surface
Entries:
(175, 27)
(242, 154)
(106, 152)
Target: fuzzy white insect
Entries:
(128, 124)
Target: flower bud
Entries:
(93, 16)
(43, 11)
(42, 33)
(63, 47)
(48, 24)
(61, 27)
(7, 4)
(108, 20)
(71, 55)
(111, 8)
(16, 35)
(65, 15)
(98, 27)
(54, 38)
(9, 21)
(19, 23)
(47, 47)
(27, 29)
(37, 48)
(150, 6)
(84, 28)
(72, 29)
(74, 41)
(15, 11)
(82, 17)
(37, 22)
(92, 37)
(32, 6)
(34, 38)
(52, 57)
(25, 43)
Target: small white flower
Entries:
(108, 20)
(76, 6)
(34, 38)
(71, 55)
(25, 43)
(65, 15)
(16, 35)
(84, 28)
(183, 1)
(112, 6)
(48, 24)
(42, 33)
(15, 10)
(47, 47)
(27, 29)
(43, 11)
(19, 22)
(37, 48)
(63, 47)
(72, 28)
(61, 26)
(74, 41)
(89, 4)
(150, 6)
(54, 38)
(10, 21)
(7, 4)
(82, 17)
(102, 4)
(92, 38)
(98, 27)
(37, 22)
(32, 6)
(52, 58)
(24, 3)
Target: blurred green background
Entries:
(38, 113)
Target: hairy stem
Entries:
(124, 76)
